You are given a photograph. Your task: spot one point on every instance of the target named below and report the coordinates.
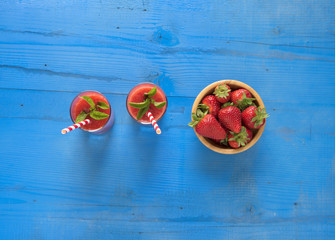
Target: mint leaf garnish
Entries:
(151, 93)
(102, 105)
(141, 104)
(98, 115)
(159, 104)
(81, 117)
(93, 111)
(89, 100)
(142, 111)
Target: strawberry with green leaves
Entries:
(206, 125)
(242, 98)
(213, 104)
(254, 117)
(236, 140)
(230, 117)
(222, 93)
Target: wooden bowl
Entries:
(234, 85)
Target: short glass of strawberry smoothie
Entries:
(139, 95)
(94, 106)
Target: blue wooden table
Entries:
(133, 184)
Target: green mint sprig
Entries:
(93, 112)
(144, 106)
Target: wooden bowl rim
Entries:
(210, 89)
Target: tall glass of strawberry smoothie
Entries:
(94, 106)
(146, 97)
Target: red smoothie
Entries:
(136, 95)
(79, 104)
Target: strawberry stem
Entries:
(245, 102)
(222, 91)
(240, 138)
(201, 112)
(227, 104)
(224, 141)
(260, 116)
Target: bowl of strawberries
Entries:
(228, 116)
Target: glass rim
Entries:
(110, 114)
(166, 99)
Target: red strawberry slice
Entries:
(213, 104)
(208, 126)
(242, 98)
(253, 117)
(222, 93)
(230, 117)
(236, 140)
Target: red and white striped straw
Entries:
(154, 123)
(74, 126)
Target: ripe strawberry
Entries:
(208, 126)
(253, 117)
(223, 141)
(230, 117)
(222, 93)
(236, 140)
(213, 104)
(242, 98)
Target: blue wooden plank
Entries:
(101, 72)
(159, 190)
(133, 184)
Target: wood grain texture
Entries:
(131, 183)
